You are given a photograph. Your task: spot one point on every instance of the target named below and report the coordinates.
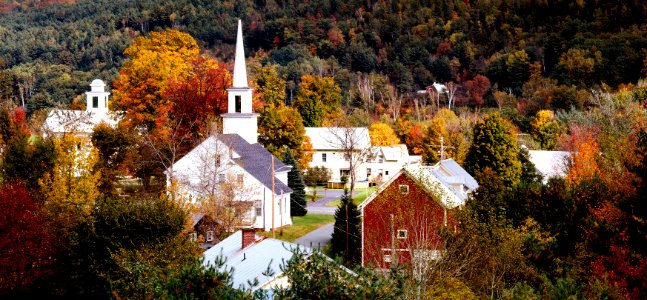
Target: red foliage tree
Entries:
(477, 88)
(198, 97)
(26, 245)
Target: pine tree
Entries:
(494, 147)
(346, 239)
(295, 182)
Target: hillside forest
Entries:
(516, 75)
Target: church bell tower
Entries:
(240, 119)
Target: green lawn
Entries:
(301, 226)
(359, 198)
(309, 196)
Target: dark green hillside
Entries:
(413, 42)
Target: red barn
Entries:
(402, 220)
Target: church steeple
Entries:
(240, 71)
(240, 119)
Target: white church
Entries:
(233, 162)
(82, 122)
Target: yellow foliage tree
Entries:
(142, 82)
(72, 187)
(383, 135)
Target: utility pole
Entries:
(272, 158)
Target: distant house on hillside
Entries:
(550, 163)
(232, 167)
(81, 122)
(330, 146)
(250, 256)
(401, 221)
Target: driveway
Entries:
(319, 207)
(317, 238)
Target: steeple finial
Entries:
(240, 72)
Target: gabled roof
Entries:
(550, 163)
(257, 161)
(195, 218)
(253, 158)
(66, 120)
(435, 182)
(327, 138)
(251, 262)
(392, 153)
(454, 173)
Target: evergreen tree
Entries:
(494, 147)
(346, 239)
(295, 182)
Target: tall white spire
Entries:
(240, 117)
(240, 72)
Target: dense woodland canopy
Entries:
(566, 75)
(49, 51)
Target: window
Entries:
(387, 258)
(221, 178)
(217, 161)
(323, 157)
(239, 103)
(194, 236)
(209, 236)
(402, 233)
(368, 171)
(386, 173)
(404, 189)
(258, 207)
(95, 102)
(240, 178)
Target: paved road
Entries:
(319, 207)
(317, 238)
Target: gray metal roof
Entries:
(456, 174)
(256, 161)
(250, 263)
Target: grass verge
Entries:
(360, 196)
(301, 226)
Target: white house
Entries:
(233, 162)
(79, 122)
(550, 163)
(385, 161)
(248, 257)
(332, 150)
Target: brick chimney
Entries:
(249, 236)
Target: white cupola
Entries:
(97, 97)
(240, 119)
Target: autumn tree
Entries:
(477, 88)
(71, 188)
(26, 245)
(269, 87)
(545, 129)
(143, 80)
(280, 128)
(115, 147)
(382, 135)
(295, 182)
(315, 176)
(494, 146)
(317, 97)
(197, 98)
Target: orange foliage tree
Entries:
(143, 80)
